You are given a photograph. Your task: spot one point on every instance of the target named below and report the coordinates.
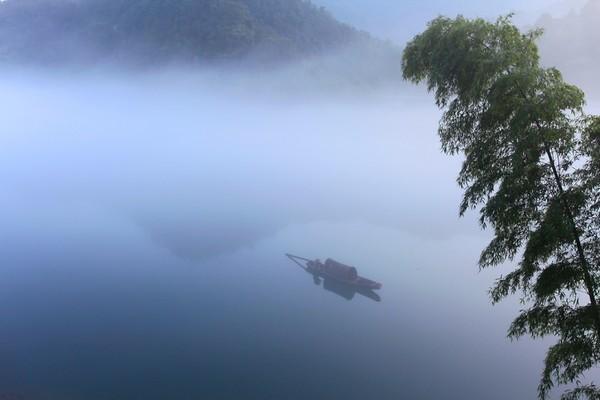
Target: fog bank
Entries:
(205, 167)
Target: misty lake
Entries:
(144, 227)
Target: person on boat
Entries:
(315, 265)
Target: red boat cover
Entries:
(340, 270)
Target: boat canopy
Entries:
(340, 270)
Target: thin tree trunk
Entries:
(587, 277)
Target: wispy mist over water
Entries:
(145, 218)
(223, 167)
(145, 215)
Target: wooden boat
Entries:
(337, 271)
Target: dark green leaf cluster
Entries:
(590, 392)
(525, 138)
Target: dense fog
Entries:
(207, 162)
(145, 218)
(145, 215)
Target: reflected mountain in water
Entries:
(197, 236)
(341, 289)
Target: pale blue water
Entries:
(143, 253)
(112, 315)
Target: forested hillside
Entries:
(159, 31)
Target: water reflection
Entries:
(191, 235)
(341, 289)
(347, 291)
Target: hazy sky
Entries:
(399, 20)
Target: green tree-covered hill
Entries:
(159, 31)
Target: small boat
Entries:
(337, 271)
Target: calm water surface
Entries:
(143, 252)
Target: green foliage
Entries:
(590, 392)
(591, 148)
(531, 166)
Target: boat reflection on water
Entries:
(339, 288)
(346, 291)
